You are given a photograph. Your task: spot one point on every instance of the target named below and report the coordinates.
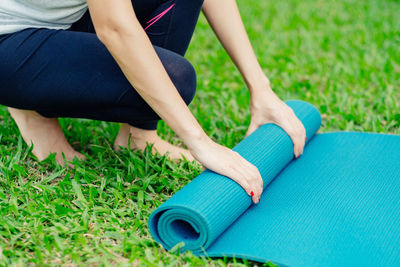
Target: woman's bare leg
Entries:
(45, 134)
(139, 138)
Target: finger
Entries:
(235, 171)
(298, 145)
(301, 136)
(296, 131)
(242, 172)
(288, 128)
(257, 191)
(255, 199)
(254, 179)
(244, 179)
(304, 135)
(239, 178)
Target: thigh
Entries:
(45, 69)
(144, 11)
(168, 23)
(67, 73)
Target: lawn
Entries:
(342, 56)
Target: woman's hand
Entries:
(227, 162)
(266, 107)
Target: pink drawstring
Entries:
(159, 16)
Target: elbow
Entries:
(104, 34)
(111, 33)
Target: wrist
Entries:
(257, 81)
(264, 100)
(195, 138)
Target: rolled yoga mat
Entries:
(336, 205)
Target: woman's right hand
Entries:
(229, 163)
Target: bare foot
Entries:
(139, 138)
(45, 134)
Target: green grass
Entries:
(342, 56)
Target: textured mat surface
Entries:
(338, 204)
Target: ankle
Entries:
(141, 135)
(26, 116)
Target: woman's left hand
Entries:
(266, 107)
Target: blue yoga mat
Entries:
(337, 205)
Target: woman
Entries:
(125, 63)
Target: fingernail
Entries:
(306, 138)
(251, 193)
(259, 199)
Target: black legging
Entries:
(70, 73)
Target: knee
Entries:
(183, 75)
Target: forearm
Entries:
(120, 31)
(147, 75)
(225, 20)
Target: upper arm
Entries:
(110, 17)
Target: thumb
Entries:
(252, 127)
